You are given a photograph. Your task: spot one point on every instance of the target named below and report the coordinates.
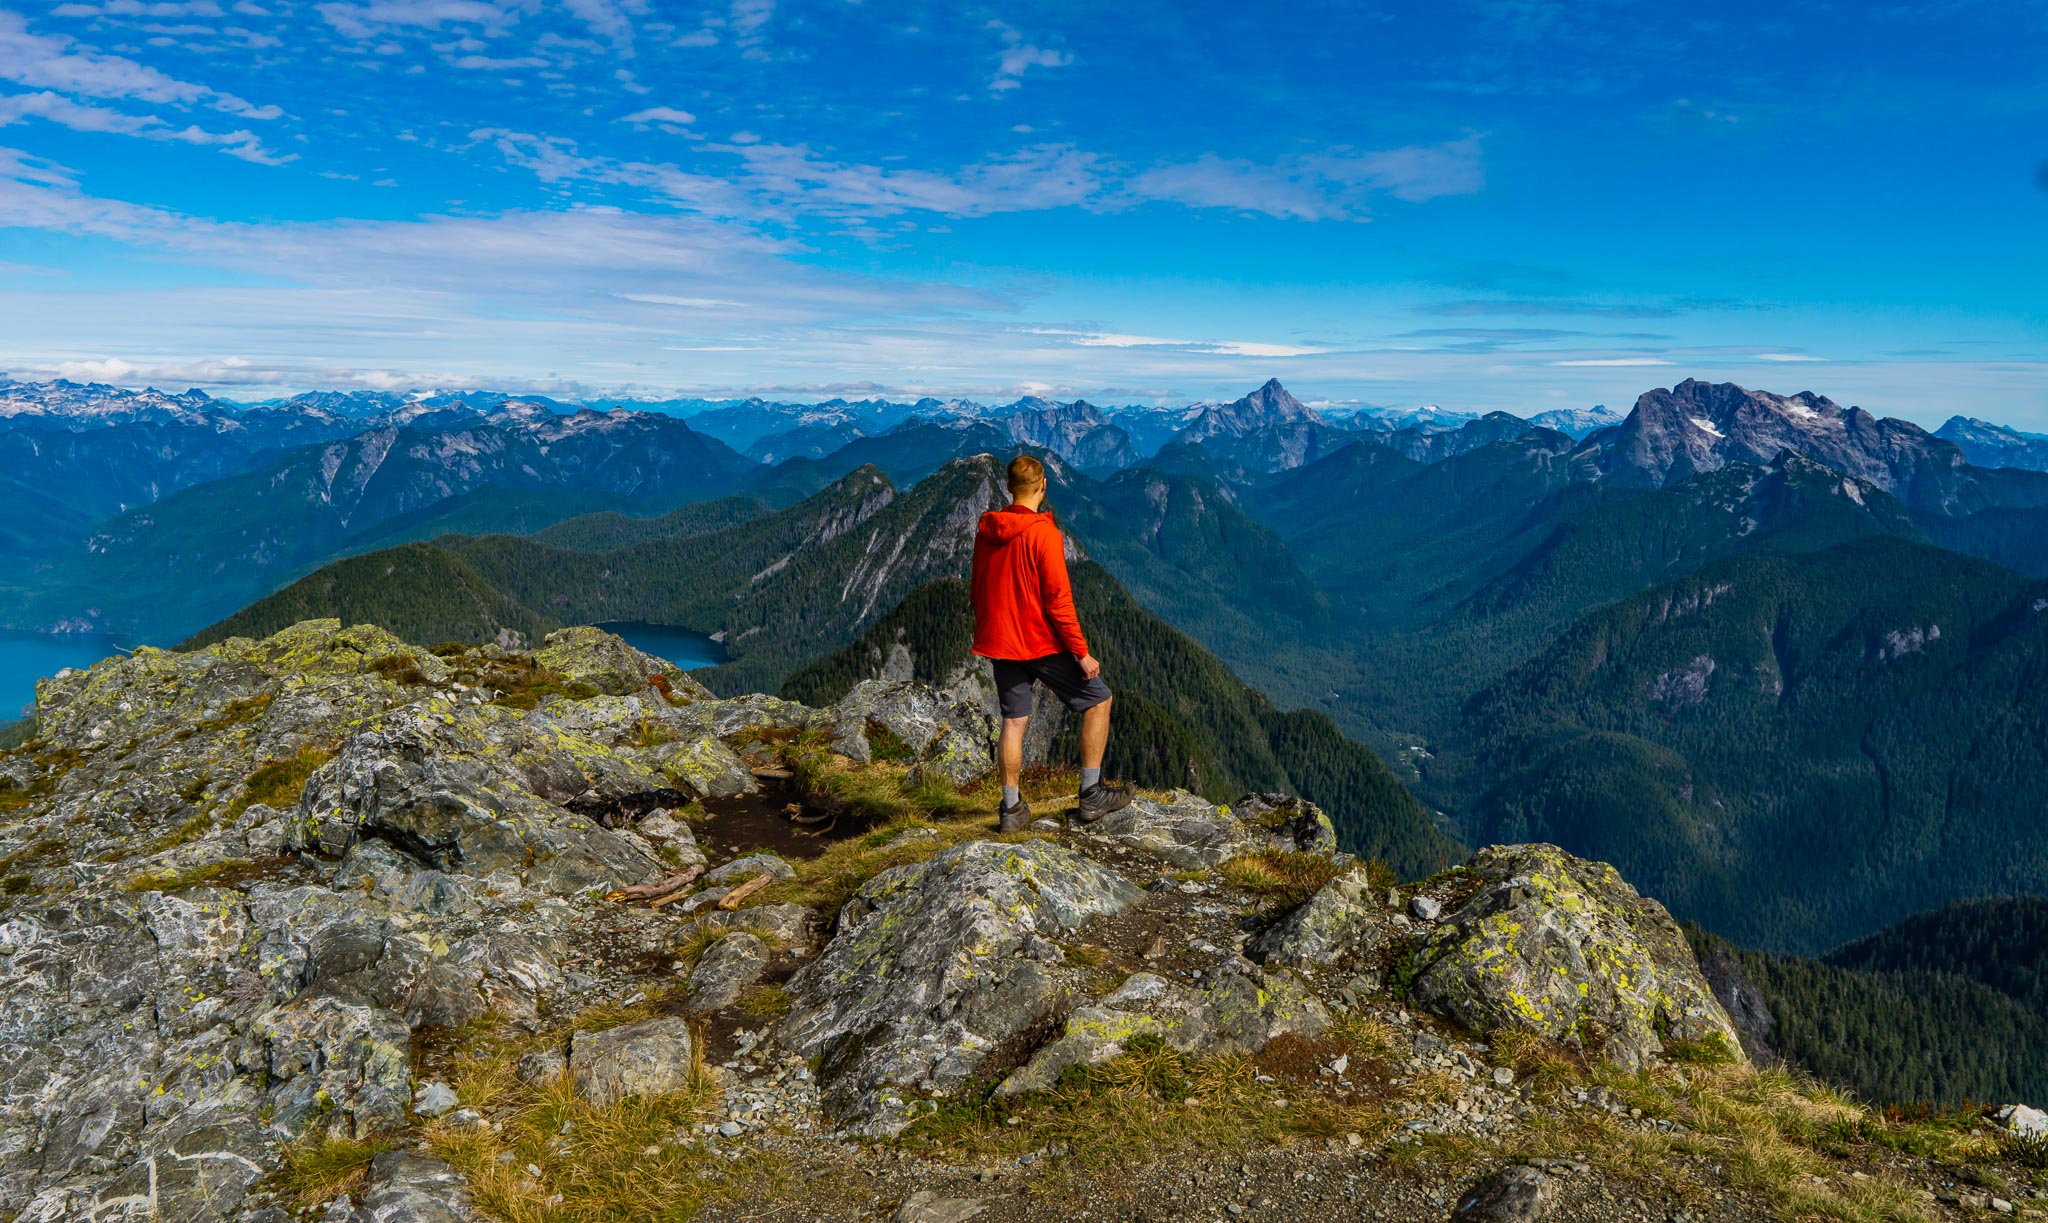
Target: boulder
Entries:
(603, 661)
(1556, 945)
(403, 1187)
(1345, 924)
(2024, 1121)
(727, 968)
(1238, 1010)
(462, 790)
(741, 869)
(1183, 829)
(1515, 1194)
(934, 964)
(787, 927)
(1289, 822)
(702, 767)
(944, 737)
(648, 1058)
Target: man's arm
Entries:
(1056, 590)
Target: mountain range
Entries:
(1528, 623)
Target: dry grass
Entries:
(556, 1158)
(1153, 1099)
(1286, 877)
(317, 1170)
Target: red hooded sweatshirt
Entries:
(1023, 602)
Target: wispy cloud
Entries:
(80, 117)
(1786, 356)
(1333, 185)
(667, 115)
(1609, 362)
(56, 62)
(1018, 57)
(1227, 348)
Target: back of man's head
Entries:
(1025, 475)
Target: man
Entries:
(1024, 624)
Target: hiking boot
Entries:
(1100, 799)
(1015, 817)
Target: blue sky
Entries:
(1518, 205)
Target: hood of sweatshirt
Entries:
(1008, 524)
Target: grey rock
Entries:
(434, 1099)
(1183, 829)
(948, 738)
(648, 1058)
(1289, 822)
(787, 927)
(541, 1065)
(403, 1187)
(1558, 945)
(1345, 923)
(934, 964)
(2023, 1120)
(702, 767)
(1238, 1010)
(1516, 1194)
(584, 655)
(741, 869)
(1425, 908)
(729, 966)
(476, 793)
(924, 1206)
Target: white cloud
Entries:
(1605, 362)
(82, 118)
(660, 114)
(1018, 57)
(607, 19)
(691, 303)
(51, 61)
(1786, 356)
(1332, 185)
(373, 17)
(1226, 348)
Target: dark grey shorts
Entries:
(1059, 672)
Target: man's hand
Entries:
(1091, 666)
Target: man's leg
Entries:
(1094, 736)
(1010, 750)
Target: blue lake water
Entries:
(28, 657)
(678, 645)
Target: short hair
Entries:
(1026, 473)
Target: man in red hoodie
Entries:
(1024, 624)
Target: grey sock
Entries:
(1089, 777)
(1009, 796)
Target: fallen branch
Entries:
(731, 900)
(661, 889)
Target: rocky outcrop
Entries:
(937, 734)
(935, 964)
(1192, 833)
(648, 1058)
(242, 882)
(1556, 945)
(242, 879)
(1347, 923)
(1239, 1010)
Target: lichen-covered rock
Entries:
(935, 963)
(585, 655)
(938, 734)
(1563, 947)
(648, 1058)
(786, 927)
(479, 790)
(702, 767)
(1239, 1010)
(1183, 829)
(403, 1187)
(1289, 822)
(336, 843)
(728, 967)
(1345, 924)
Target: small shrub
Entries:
(247, 709)
(886, 745)
(765, 1001)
